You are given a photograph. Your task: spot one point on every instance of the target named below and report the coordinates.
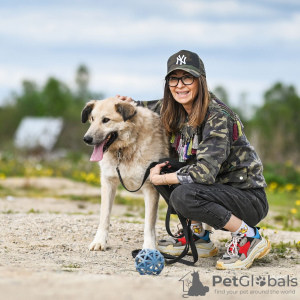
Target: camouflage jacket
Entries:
(224, 155)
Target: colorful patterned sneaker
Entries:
(175, 246)
(243, 250)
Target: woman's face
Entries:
(184, 94)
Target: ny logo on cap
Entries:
(181, 60)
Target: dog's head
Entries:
(110, 124)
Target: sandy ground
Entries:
(45, 255)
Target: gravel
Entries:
(45, 255)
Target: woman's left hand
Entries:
(155, 176)
(164, 179)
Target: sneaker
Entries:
(243, 250)
(175, 246)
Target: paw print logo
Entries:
(260, 280)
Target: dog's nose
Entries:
(88, 139)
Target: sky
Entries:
(246, 46)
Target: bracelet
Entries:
(152, 176)
(166, 180)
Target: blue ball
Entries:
(149, 262)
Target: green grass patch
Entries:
(265, 225)
(9, 211)
(71, 266)
(282, 201)
(76, 168)
(129, 215)
(25, 191)
(132, 221)
(84, 198)
(34, 211)
(129, 201)
(280, 250)
(80, 213)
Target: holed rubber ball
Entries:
(149, 262)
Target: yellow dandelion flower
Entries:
(297, 202)
(294, 211)
(273, 185)
(289, 187)
(275, 231)
(50, 172)
(263, 228)
(90, 177)
(2, 176)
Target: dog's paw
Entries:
(97, 245)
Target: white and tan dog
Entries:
(137, 135)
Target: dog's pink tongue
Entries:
(98, 152)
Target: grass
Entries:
(9, 211)
(34, 211)
(283, 201)
(79, 168)
(281, 250)
(132, 221)
(265, 225)
(285, 209)
(72, 266)
(284, 198)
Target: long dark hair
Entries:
(173, 113)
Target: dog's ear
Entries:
(87, 110)
(126, 110)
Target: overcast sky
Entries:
(246, 46)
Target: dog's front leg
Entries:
(151, 197)
(108, 192)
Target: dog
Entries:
(131, 137)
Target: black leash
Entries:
(186, 224)
(171, 259)
(144, 179)
(190, 243)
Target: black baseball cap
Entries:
(187, 61)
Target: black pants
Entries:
(214, 204)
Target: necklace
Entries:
(186, 141)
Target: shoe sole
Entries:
(202, 252)
(260, 251)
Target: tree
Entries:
(29, 101)
(82, 80)
(55, 99)
(278, 125)
(221, 93)
(83, 93)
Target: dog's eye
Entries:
(105, 120)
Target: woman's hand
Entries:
(164, 179)
(155, 176)
(124, 98)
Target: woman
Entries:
(222, 183)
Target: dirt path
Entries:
(44, 255)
